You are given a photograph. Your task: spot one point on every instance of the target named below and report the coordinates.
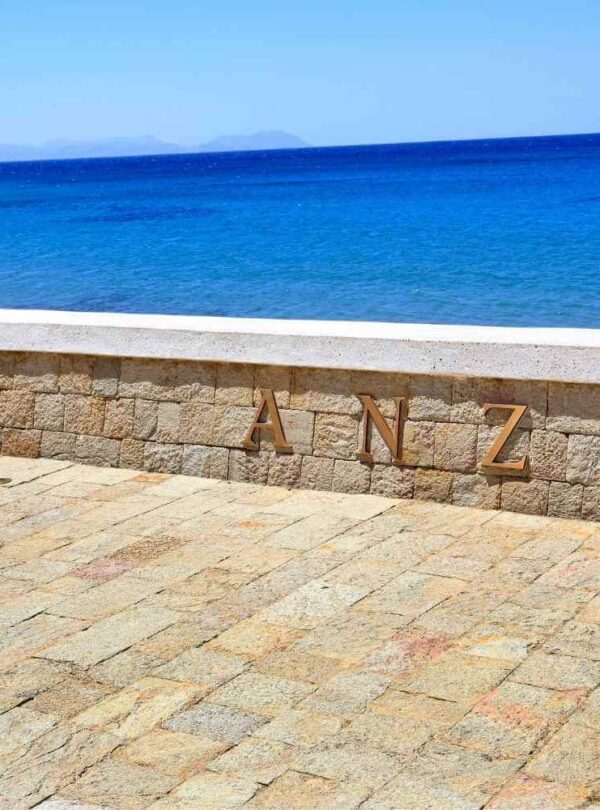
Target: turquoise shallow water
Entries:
(502, 232)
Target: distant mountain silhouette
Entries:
(145, 145)
(269, 139)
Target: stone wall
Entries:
(191, 417)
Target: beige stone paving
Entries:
(179, 643)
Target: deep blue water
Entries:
(500, 232)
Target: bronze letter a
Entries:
(391, 436)
(274, 426)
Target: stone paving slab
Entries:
(176, 643)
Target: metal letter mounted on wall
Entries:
(272, 426)
(489, 460)
(392, 436)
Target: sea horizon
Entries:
(495, 231)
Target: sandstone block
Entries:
(455, 447)
(520, 495)
(515, 448)
(471, 394)
(418, 444)
(118, 420)
(591, 503)
(56, 444)
(433, 485)
(574, 408)
(278, 379)
(218, 425)
(383, 387)
(252, 468)
(430, 399)
(324, 390)
(298, 427)
(336, 436)
(167, 423)
(565, 500)
(392, 481)
(37, 372)
(548, 455)
(145, 418)
(208, 462)
(17, 408)
(49, 413)
(132, 454)
(84, 414)
(478, 491)
(21, 442)
(316, 473)
(107, 371)
(583, 460)
(97, 450)
(163, 458)
(284, 470)
(7, 369)
(351, 476)
(75, 374)
(167, 381)
(235, 384)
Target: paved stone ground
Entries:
(172, 642)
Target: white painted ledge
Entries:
(569, 355)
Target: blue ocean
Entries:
(502, 232)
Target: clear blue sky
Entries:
(353, 71)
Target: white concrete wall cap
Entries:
(568, 355)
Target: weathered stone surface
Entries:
(316, 473)
(455, 447)
(84, 414)
(218, 425)
(284, 470)
(480, 491)
(75, 374)
(565, 500)
(235, 384)
(275, 378)
(351, 476)
(209, 462)
(249, 467)
(530, 497)
(574, 408)
(17, 408)
(515, 448)
(590, 507)
(167, 423)
(132, 454)
(418, 444)
(106, 375)
(97, 450)
(164, 458)
(298, 427)
(168, 381)
(430, 399)
(21, 442)
(583, 460)
(7, 369)
(37, 372)
(336, 436)
(433, 485)
(548, 455)
(469, 395)
(392, 481)
(324, 390)
(58, 445)
(49, 412)
(383, 387)
(118, 419)
(145, 419)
